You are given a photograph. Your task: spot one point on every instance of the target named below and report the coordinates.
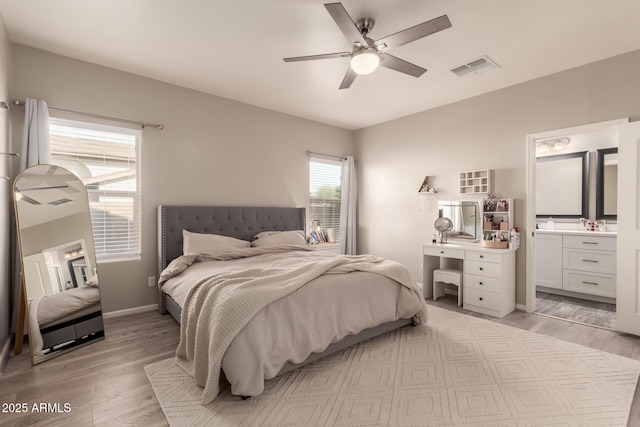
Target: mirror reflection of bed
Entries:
(58, 261)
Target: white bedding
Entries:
(50, 310)
(306, 321)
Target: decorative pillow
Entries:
(200, 243)
(295, 237)
(266, 234)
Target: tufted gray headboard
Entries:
(239, 222)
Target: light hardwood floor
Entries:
(105, 382)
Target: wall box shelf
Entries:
(475, 182)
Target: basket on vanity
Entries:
(494, 245)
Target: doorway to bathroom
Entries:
(574, 223)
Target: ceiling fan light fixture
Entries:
(365, 61)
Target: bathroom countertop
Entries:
(578, 232)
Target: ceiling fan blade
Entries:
(28, 199)
(348, 79)
(313, 57)
(397, 64)
(43, 188)
(345, 23)
(414, 33)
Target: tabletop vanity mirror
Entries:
(60, 279)
(465, 218)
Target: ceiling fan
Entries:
(367, 54)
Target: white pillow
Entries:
(199, 243)
(295, 237)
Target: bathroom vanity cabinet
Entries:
(576, 263)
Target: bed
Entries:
(65, 319)
(244, 223)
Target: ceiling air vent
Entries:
(475, 68)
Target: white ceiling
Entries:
(234, 49)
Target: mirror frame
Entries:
(477, 204)
(88, 323)
(600, 155)
(584, 155)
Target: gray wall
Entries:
(484, 132)
(5, 186)
(218, 151)
(212, 151)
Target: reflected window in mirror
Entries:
(607, 184)
(106, 159)
(562, 186)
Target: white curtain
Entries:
(35, 150)
(349, 196)
(35, 136)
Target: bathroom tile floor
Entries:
(592, 313)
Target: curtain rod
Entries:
(96, 116)
(310, 153)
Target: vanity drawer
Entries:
(483, 256)
(594, 284)
(482, 268)
(482, 299)
(598, 243)
(596, 261)
(443, 251)
(491, 284)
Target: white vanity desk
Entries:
(489, 275)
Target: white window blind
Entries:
(324, 193)
(106, 159)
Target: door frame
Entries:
(530, 206)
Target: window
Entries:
(107, 160)
(324, 193)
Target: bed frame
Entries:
(241, 223)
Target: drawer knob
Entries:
(481, 268)
(481, 256)
(441, 252)
(480, 283)
(480, 298)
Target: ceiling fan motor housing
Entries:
(365, 25)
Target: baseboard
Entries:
(129, 311)
(5, 353)
(521, 307)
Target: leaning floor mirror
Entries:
(60, 278)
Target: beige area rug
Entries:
(456, 370)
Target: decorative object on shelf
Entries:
(442, 226)
(490, 203)
(475, 182)
(317, 235)
(425, 187)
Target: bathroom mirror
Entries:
(58, 261)
(562, 186)
(465, 216)
(607, 184)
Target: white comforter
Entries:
(250, 331)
